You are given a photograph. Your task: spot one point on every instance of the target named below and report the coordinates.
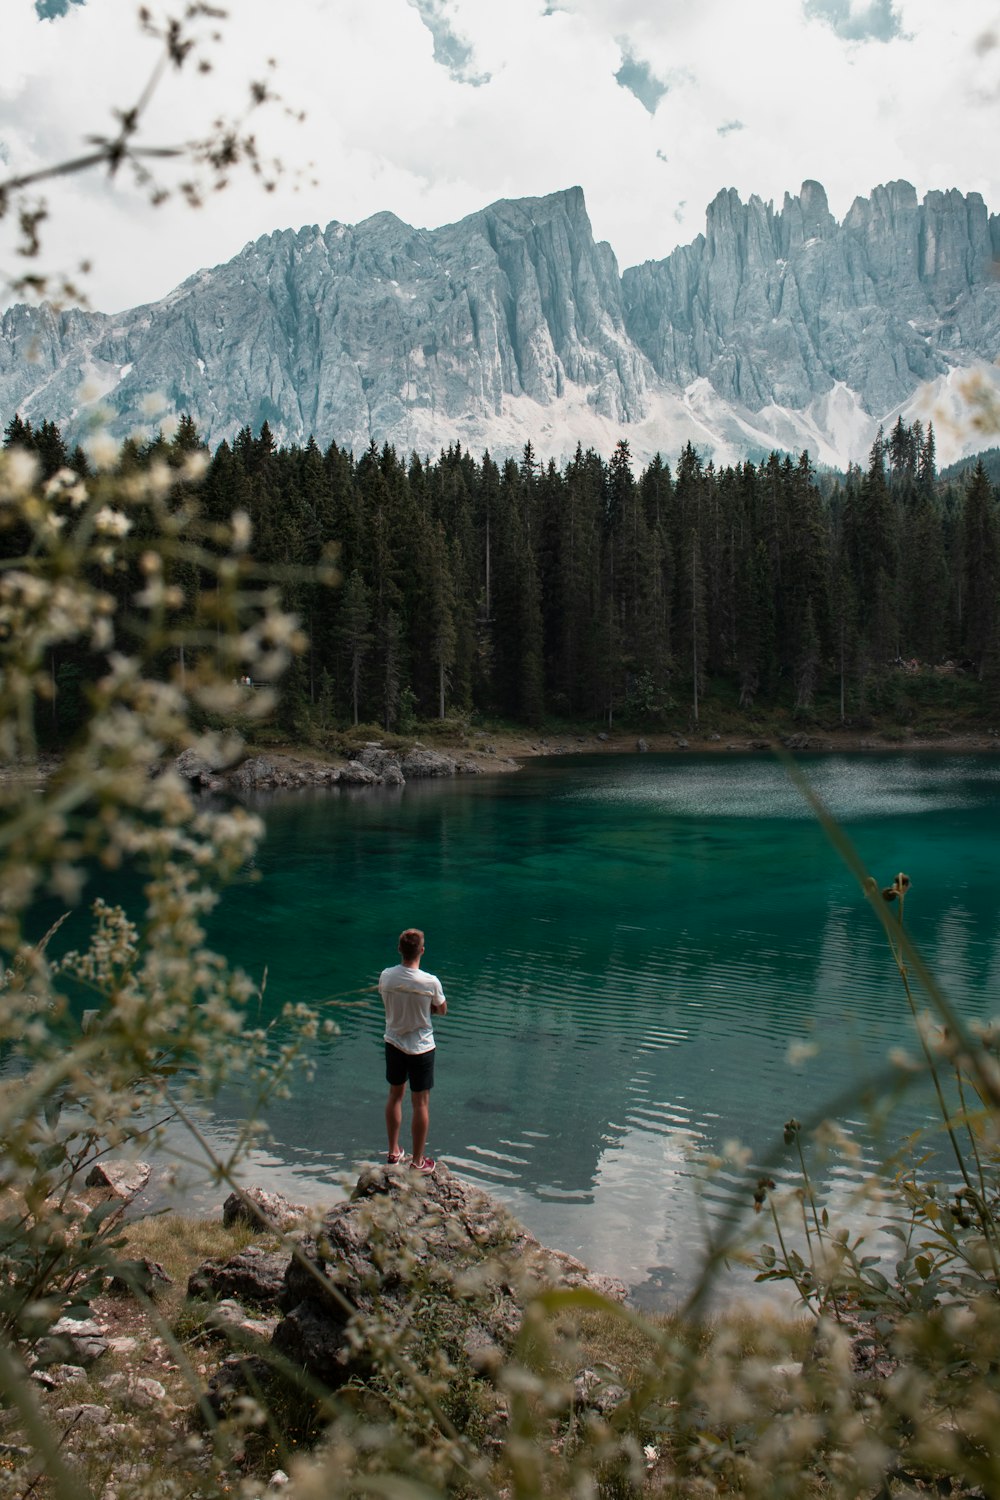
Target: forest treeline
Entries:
(592, 592)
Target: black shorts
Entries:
(414, 1068)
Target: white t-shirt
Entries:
(407, 995)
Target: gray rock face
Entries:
(354, 332)
(515, 323)
(777, 307)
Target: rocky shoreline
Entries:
(372, 766)
(292, 768)
(375, 765)
(322, 1291)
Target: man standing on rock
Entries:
(410, 998)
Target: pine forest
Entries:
(592, 593)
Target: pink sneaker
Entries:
(426, 1166)
(395, 1157)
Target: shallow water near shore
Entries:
(633, 950)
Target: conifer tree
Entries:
(981, 549)
(355, 633)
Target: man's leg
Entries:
(421, 1101)
(394, 1115)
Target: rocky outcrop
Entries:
(400, 1231)
(776, 327)
(372, 766)
(374, 328)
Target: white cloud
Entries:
(433, 108)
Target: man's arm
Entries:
(439, 1005)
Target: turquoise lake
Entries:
(630, 946)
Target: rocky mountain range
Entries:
(776, 328)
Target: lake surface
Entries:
(630, 946)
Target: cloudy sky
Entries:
(434, 108)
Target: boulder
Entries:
(384, 763)
(261, 1210)
(230, 1320)
(466, 766)
(423, 763)
(126, 1179)
(71, 1341)
(53, 1376)
(139, 1276)
(85, 1414)
(256, 771)
(253, 1275)
(355, 774)
(197, 770)
(135, 1392)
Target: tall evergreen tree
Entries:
(982, 568)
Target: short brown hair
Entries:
(411, 943)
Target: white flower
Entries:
(103, 450)
(736, 1153)
(20, 469)
(153, 403)
(195, 465)
(112, 522)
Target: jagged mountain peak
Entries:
(774, 328)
